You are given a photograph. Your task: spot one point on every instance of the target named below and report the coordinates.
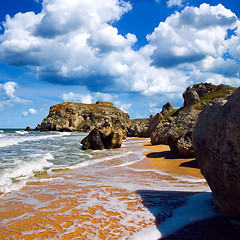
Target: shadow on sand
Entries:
(163, 154)
(190, 164)
(188, 216)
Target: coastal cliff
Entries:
(70, 116)
(175, 129)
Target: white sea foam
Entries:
(16, 177)
(16, 140)
(1, 131)
(22, 132)
(99, 160)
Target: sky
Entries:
(138, 54)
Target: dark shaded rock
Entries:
(28, 129)
(93, 141)
(105, 138)
(216, 141)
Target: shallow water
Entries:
(54, 190)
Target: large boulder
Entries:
(93, 141)
(104, 138)
(216, 142)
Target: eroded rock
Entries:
(104, 138)
(216, 141)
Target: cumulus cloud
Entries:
(7, 95)
(192, 35)
(86, 98)
(172, 3)
(125, 107)
(75, 42)
(74, 97)
(30, 111)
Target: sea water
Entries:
(25, 155)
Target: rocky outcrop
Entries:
(138, 127)
(216, 141)
(191, 97)
(176, 132)
(175, 129)
(104, 138)
(28, 129)
(82, 117)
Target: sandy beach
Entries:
(111, 202)
(160, 157)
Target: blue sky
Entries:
(138, 54)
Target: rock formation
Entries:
(103, 138)
(216, 141)
(82, 117)
(145, 127)
(175, 129)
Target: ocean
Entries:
(51, 189)
(27, 155)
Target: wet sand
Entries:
(108, 202)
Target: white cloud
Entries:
(74, 97)
(75, 42)
(86, 98)
(7, 96)
(32, 111)
(172, 3)
(25, 113)
(192, 35)
(125, 107)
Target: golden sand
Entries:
(80, 206)
(160, 157)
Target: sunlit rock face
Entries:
(216, 141)
(82, 117)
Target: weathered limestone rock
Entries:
(176, 130)
(104, 138)
(216, 141)
(168, 107)
(190, 97)
(82, 117)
